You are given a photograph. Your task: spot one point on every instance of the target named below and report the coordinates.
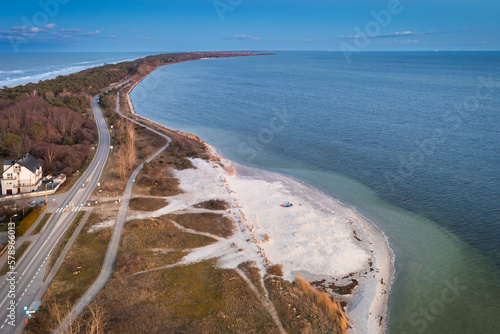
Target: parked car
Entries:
(32, 204)
(41, 203)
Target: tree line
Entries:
(52, 119)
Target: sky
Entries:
(211, 25)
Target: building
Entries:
(21, 176)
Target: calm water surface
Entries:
(411, 140)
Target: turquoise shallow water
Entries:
(409, 139)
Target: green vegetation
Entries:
(52, 119)
(41, 224)
(28, 221)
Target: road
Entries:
(109, 260)
(29, 272)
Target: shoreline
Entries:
(367, 306)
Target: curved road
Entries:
(114, 243)
(21, 287)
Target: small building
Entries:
(23, 175)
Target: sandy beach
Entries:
(317, 238)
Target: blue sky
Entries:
(189, 25)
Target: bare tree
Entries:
(50, 156)
(98, 318)
(121, 157)
(64, 320)
(130, 145)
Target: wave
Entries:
(7, 78)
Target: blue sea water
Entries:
(21, 68)
(411, 140)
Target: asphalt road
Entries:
(29, 272)
(114, 243)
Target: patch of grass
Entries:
(305, 310)
(214, 223)
(157, 179)
(158, 233)
(213, 204)
(276, 270)
(85, 257)
(64, 240)
(41, 224)
(147, 203)
(19, 253)
(253, 273)
(197, 298)
(132, 262)
(153, 243)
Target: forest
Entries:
(52, 119)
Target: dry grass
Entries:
(213, 204)
(214, 223)
(276, 270)
(198, 298)
(146, 143)
(41, 224)
(157, 233)
(87, 253)
(331, 307)
(64, 240)
(301, 310)
(157, 179)
(153, 243)
(147, 204)
(253, 273)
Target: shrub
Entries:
(276, 270)
(28, 221)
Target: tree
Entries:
(121, 157)
(36, 130)
(11, 144)
(50, 155)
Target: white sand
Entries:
(101, 225)
(314, 238)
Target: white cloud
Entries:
(245, 37)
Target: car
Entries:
(32, 203)
(41, 203)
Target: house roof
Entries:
(29, 162)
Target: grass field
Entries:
(197, 298)
(147, 203)
(64, 240)
(41, 224)
(214, 223)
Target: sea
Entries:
(411, 140)
(21, 68)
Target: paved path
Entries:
(114, 244)
(28, 276)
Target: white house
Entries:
(21, 176)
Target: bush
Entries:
(28, 221)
